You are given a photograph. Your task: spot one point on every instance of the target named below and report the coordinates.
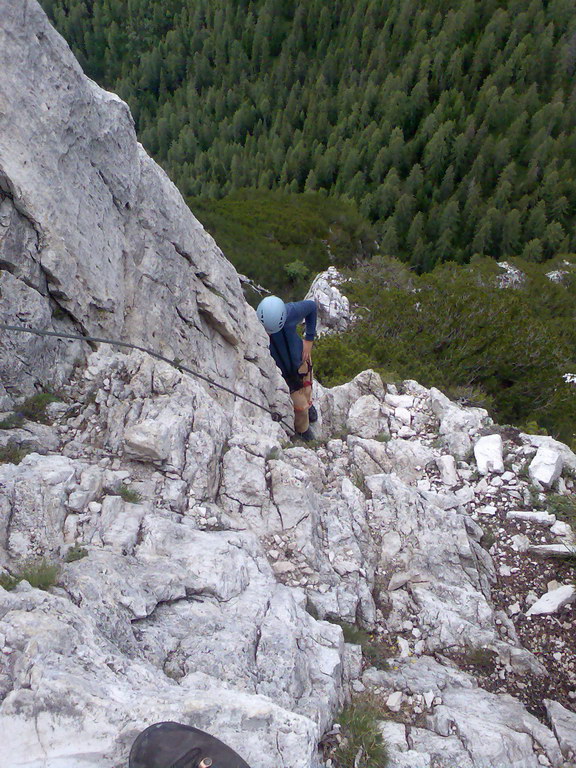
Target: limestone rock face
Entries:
(196, 594)
(204, 562)
(93, 235)
(334, 312)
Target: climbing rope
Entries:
(174, 363)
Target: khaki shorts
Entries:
(302, 399)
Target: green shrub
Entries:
(13, 421)
(297, 271)
(34, 408)
(11, 454)
(470, 396)
(75, 553)
(457, 330)
(362, 745)
(40, 574)
(564, 507)
(375, 652)
(128, 494)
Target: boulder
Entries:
(448, 473)
(546, 466)
(553, 601)
(488, 454)
(334, 315)
(563, 723)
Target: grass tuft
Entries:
(362, 745)
(128, 494)
(13, 421)
(34, 408)
(39, 574)
(75, 553)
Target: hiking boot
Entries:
(312, 414)
(305, 436)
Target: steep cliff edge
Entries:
(93, 235)
(203, 562)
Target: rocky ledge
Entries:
(220, 562)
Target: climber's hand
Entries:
(307, 351)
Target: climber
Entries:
(172, 745)
(292, 354)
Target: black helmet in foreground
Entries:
(171, 745)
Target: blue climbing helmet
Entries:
(272, 314)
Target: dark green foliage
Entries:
(8, 582)
(456, 327)
(75, 553)
(564, 507)
(13, 421)
(362, 745)
(278, 239)
(39, 574)
(11, 454)
(451, 125)
(128, 494)
(34, 409)
(374, 652)
(483, 659)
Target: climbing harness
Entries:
(174, 363)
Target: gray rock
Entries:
(334, 313)
(365, 417)
(553, 601)
(116, 250)
(540, 518)
(563, 723)
(546, 466)
(445, 751)
(488, 453)
(447, 467)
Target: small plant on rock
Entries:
(40, 574)
(12, 454)
(8, 582)
(535, 500)
(13, 421)
(488, 539)
(34, 408)
(361, 745)
(481, 658)
(129, 494)
(273, 454)
(374, 652)
(75, 553)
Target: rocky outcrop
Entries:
(334, 313)
(94, 237)
(168, 554)
(197, 592)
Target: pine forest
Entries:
(404, 137)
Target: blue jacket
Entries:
(286, 345)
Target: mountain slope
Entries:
(451, 124)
